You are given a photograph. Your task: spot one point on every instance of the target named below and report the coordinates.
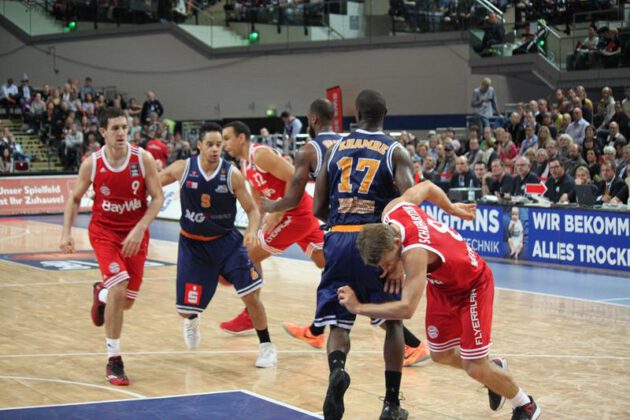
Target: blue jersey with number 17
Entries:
(361, 178)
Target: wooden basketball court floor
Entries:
(572, 355)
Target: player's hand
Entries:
(348, 298)
(67, 244)
(131, 244)
(267, 205)
(466, 211)
(250, 239)
(393, 284)
(270, 221)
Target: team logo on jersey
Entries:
(105, 191)
(134, 168)
(223, 176)
(253, 273)
(221, 188)
(103, 170)
(433, 332)
(192, 185)
(114, 268)
(192, 294)
(193, 174)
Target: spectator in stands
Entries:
(614, 135)
(564, 142)
(610, 185)
(592, 162)
(412, 152)
(265, 137)
(600, 115)
(152, 104)
(422, 150)
(429, 172)
(530, 141)
(566, 120)
(541, 165)
(582, 177)
(523, 176)
(480, 171)
(499, 182)
(474, 153)
(515, 128)
(619, 145)
(25, 95)
(559, 183)
(434, 140)
(446, 162)
(158, 149)
(623, 168)
(609, 101)
(292, 127)
(574, 160)
(493, 33)
(582, 57)
(611, 54)
(153, 124)
(590, 141)
(626, 101)
(6, 162)
(484, 102)
(544, 135)
(417, 171)
(463, 177)
(622, 120)
(72, 146)
(610, 154)
(87, 89)
(135, 127)
(35, 114)
(587, 114)
(507, 148)
(9, 98)
(577, 127)
(489, 151)
(530, 119)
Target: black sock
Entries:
(336, 360)
(193, 316)
(263, 336)
(392, 386)
(410, 339)
(316, 330)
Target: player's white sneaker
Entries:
(192, 334)
(268, 356)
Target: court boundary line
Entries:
(507, 289)
(144, 398)
(67, 382)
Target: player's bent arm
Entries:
(269, 161)
(415, 262)
(172, 173)
(428, 191)
(403, 169)
(247, 202)
(152, 183)
(320, 198)
(294, 193)
(74, 199)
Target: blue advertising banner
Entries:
(582, 238)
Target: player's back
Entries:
(120, 196)
(361, 178)
(321, 143)
(459, 266)
(207, 200)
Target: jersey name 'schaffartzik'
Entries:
(120, 196)
(321, 143)
(459, 267)
(207, 200)
(361, 177)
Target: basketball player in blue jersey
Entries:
(360, 175)
(308, 163)
(209, 243)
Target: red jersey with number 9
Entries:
(120, 199)
(459, 266)
(271, 187)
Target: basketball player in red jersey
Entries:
(123, 175)
(268, 174)
(460, 290)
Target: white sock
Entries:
(113, 347)
(102, 295)
(520, 399)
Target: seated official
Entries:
(524, 176)
(610, 185)
(560, 182)
(500, 183)
(582, 177)
(463, 177)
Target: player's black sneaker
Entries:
(527, 411)
(98, 307)
(393, 412)
(496, 400)
(338, 383)
(115, 372)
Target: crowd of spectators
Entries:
(562, 141)
(283, 12)
(601, 48)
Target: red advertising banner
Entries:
(334, 95)
(37, 194)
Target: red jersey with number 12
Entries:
(120, 199)
(459, 266)
(271, 187)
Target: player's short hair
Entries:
(324, 109)
(239, 128)
(371, 105)
(107, 114)
(209, 128)
(374, 241)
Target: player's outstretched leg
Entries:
(116, 303)
(338, 382)
(310, 334)
(192, 330)
(393, 353)
(268, 355)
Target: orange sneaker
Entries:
(304, 334)
(416, 355)
(240, 325)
